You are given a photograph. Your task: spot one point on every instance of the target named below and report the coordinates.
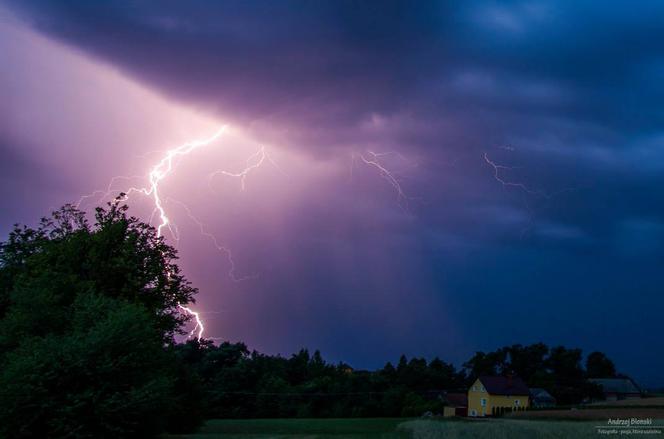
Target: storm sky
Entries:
(567, 96)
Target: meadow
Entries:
(389, 428)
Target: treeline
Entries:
(243, 384)
(88, 321)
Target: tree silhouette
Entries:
(88, 315)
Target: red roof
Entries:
(504, 385)
(457, 399)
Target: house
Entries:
(456, 404)
(540, 398)
(617, 388)
(492, 395)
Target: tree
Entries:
(570, 385)
(490, 364)
(598, 365)
(87, 318)
(526, 361)
(566, 363)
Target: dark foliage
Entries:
(87, 319)
(599, 365)
(241, 384)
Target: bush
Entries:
(106, 378)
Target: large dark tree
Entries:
(87, 315)
(526, 361)
(598, 365)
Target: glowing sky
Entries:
(568, 94)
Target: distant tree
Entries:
(598, 365)
(444, 375)
(570, 385)
(526, 361)
(402, 365)
(491, 364)
(389, 372)
(87, 315)
(566, 363)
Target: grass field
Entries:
(600, 413)
(300, 428)
(656, 401)
(393, 428)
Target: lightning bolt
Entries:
(162, 169)
(199, 322)
(157, 173)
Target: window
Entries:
(483, 402)
(517, 402)
(473, 412)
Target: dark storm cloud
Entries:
(483, 69)
(321, 66)
(272, 60)
(567, 92)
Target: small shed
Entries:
(618, 388)
(456, 404)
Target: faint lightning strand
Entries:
(374, 161)
(101, 194)
(496, 174)
(220, 247)
(254, 161)
(497, 168)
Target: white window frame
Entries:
(517, 402)
(483, 402)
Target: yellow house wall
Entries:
(449, 412)
(477, 391)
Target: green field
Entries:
(392, 428)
